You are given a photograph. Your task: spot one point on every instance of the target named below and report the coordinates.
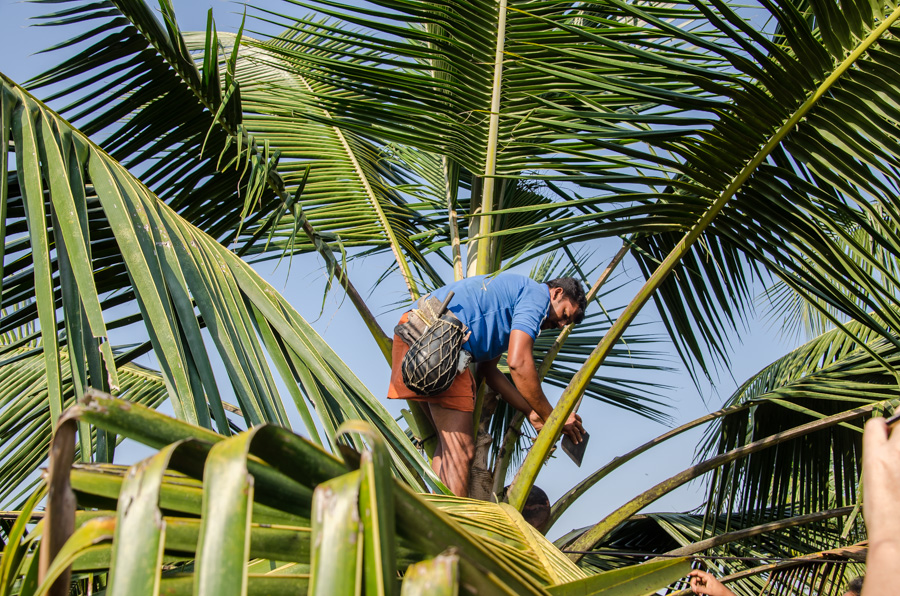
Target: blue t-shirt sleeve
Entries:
(531, 308)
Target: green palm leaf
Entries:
(200, 116)
(180, 279)
(285, 516)
(791, 441)
(832, 374)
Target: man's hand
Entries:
(573, 428)
(705, 583)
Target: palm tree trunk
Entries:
(481, 480)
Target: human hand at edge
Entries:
(881, 482)
(703, 582)
(573, 428)
(881, 486)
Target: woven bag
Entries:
(433, 360)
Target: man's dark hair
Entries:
(573, 289)
(855, 585)
(536, 509)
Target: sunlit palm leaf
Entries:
(349, 191)
(201, 135)
(296, 491)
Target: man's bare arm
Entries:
(497, 381)
(520, 359)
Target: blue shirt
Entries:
(491, 307)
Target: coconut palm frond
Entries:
(829, 376)
(25, 427)
(174, 280)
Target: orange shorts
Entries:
(459, 396)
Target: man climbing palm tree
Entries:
(503, 313)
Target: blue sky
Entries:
(613, 431)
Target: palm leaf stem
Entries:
(612, 521)
(582, 487)
(483, 265)
(384, 342)
(781, 524)
(568, 401)
(611, 582)
(547, 362)
(512, 433)
(451, 185)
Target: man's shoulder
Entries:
(518, 290)
(514, 280)
(508, 289)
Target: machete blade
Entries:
(575, 452)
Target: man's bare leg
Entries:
(436, 456)
(456, 447)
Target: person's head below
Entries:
(536, 509)
(567, 303)
(854, 587)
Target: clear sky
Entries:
(613, 431)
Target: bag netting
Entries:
(432, 361)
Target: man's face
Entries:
(563, 310)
